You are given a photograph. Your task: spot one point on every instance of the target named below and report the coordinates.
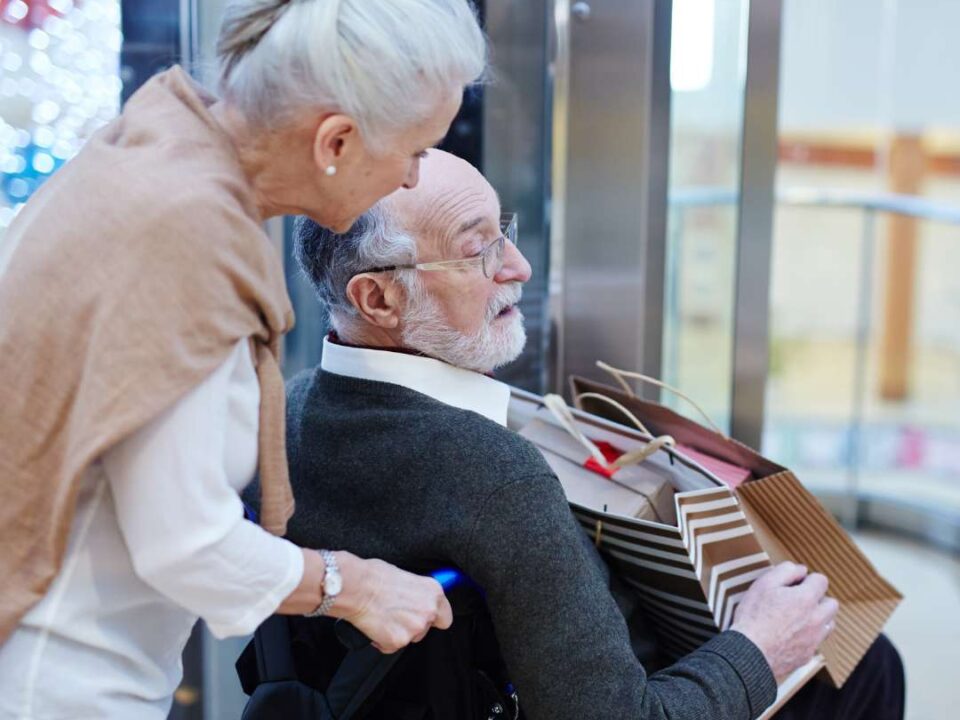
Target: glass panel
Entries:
(514, 148)
(707, 79)
(59, 82)
(221, 694)
(208, 15)
(864, 389)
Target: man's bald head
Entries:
(452, 198)
(384, 235)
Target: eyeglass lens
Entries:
(493, 258)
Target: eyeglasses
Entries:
(490, 259)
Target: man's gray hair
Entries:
(386, 63)
(330, 260)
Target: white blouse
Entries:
(157, 541)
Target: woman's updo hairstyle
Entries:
(386, 63)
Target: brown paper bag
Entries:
(787, 521)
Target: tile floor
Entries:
(926, 626)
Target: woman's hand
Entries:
(390, 606)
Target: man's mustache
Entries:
(507, 296)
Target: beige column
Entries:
(908, 163)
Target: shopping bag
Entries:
(688, 574)
(787, 521)
(636, 488)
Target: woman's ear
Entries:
(333, 138)
(377, 298)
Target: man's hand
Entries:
(785, 613)
(390, 606)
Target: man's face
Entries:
(460, 316)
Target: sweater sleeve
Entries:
(567, 646)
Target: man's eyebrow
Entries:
(470, 225)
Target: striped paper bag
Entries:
(689, 574)
(787, 522)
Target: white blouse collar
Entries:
(441, 381)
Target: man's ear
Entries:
(333, 139)
(377, 298)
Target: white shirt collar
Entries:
(441, 381)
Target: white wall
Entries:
(846, 65)
(855, 64)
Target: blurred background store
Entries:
(761, 201)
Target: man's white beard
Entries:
(496, 343)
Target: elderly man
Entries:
(398, 449)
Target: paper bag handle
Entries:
(556, 405)
(635, 457)
(610, 401)
(619, 376)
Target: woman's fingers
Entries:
(390, 606)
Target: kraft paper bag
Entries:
(786, 520)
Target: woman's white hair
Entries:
(386, 63)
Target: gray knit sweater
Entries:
(384, 471)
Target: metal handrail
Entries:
(907, 205)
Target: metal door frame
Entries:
(630, 216)
(755, 210)
(751, 331)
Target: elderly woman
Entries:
(142, 311)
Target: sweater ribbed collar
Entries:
(464, 389)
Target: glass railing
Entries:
(894, 463)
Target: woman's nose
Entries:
(515, 266)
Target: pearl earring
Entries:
(331, 170)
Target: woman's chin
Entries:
(342, 226)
